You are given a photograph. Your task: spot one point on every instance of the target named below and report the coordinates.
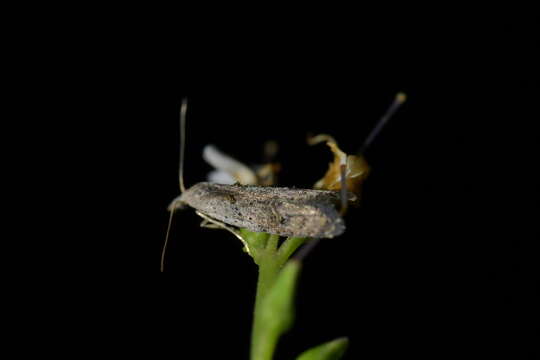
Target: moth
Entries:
(314, 213)
(274, 210)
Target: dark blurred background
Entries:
(437, 261)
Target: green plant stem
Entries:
(268, 271)
(270, 261)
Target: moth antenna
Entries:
(162, 267)
(183, 109)
(396, 104)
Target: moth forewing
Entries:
(274, 210)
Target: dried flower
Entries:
(356, 167)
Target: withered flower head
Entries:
(356, 167)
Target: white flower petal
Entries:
(242, 173)
(220, 177)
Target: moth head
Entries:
(177, 204)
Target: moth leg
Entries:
(205, 224)
(210, 223)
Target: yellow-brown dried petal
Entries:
(356, 171)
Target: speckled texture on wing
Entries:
(281, 211)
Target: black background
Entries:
(436, 262)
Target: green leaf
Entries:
(276, 312)
(332, 350)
